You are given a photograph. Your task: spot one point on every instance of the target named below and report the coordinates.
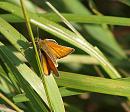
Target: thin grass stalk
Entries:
(35, 48)
(10, 103)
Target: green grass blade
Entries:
(69, 91)
(10, 77)
(25, 77)
(77, 18)
(19, 42)
(20, 98)
(30, 6)
(102, 35)
(63, 90)
(82, 18)
(80, 59)
(94, 84)
(54, 94)
(6, 86)
(11, 18)
(16, 38)
(9, 102)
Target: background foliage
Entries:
(95, 78)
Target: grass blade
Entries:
(102, 35)
(10, 103)
(94, 84)
(26, 75)
(77, 18)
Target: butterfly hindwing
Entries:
(45, 65)
(52, 66)
(48, 65)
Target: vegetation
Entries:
(95, 78)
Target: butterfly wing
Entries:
(45, 65)
(48, 65)
(45, 48)
(52, 66)
(48, 59)
(51, 51)
(58, 50)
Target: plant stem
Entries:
(36, 52)
(10, 103)
(31, 34)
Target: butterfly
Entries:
(49, 51)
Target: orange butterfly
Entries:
(49, 52)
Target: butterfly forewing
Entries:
(45, 48)
(58, 50)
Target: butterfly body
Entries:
(49, 52)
